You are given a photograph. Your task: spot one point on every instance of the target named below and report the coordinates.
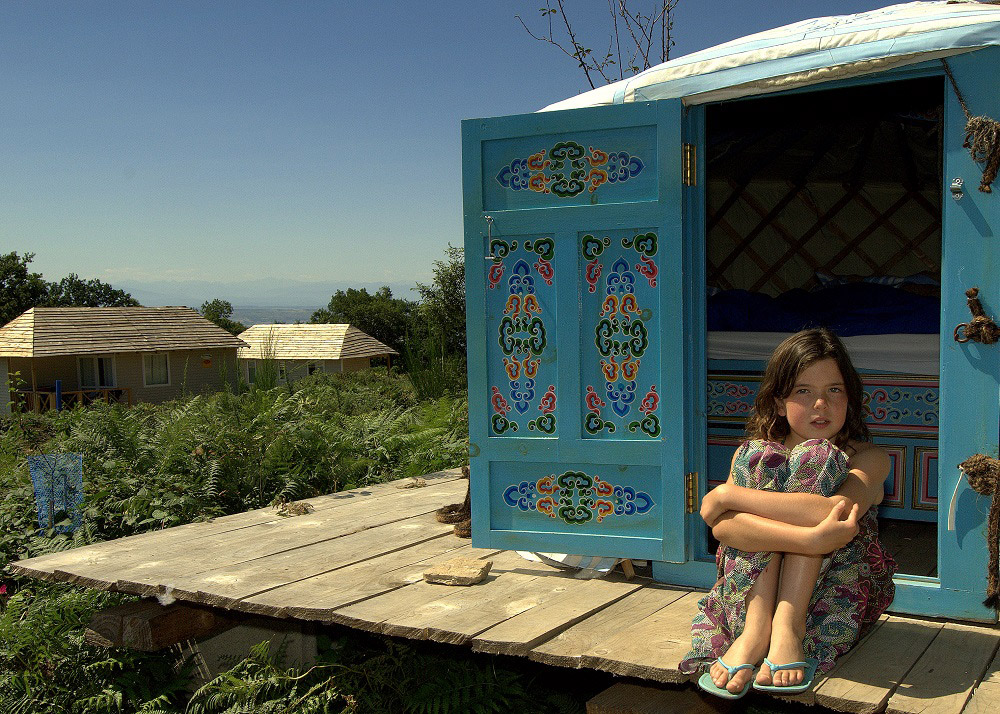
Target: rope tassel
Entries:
(983, 474)
(982, 138)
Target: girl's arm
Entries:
(753, 533)
(862, 487)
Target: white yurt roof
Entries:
(809, 52)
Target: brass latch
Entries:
(689, 165)
(691, 492)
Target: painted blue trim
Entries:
(693, 574)
(969, 408)
(931, 600)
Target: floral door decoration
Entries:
(620, 301)
(520, 301)
(568, 169)
(577, 498)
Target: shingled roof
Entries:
(310, 342)
(52, 331)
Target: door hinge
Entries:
(691, 492)
(689, 165)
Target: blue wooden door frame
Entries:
(969, 414)
(612, 211)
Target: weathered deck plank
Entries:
(568, 648)
(48, 567)
(225, 585)
(317, 598)
(944, 676)
(413, 610)
(986, 697)
(137, 567)
(867, 676)
(551, 615)
(358, 560)
(652, 647)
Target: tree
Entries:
(640, 33)
(74, 291)
(442, 303)
(384, 317)
(20, 289)
(221, 312)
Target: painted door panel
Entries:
(969, 413)
(576, 385)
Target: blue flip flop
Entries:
(809, 667)
(706, 684)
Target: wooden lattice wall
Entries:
(843, 183)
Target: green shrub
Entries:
(155, 466)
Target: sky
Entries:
(277, 149)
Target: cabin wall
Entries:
(299, 368)
(47, 371)
(200, 371)
(356, 364)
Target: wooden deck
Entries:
(358, 560)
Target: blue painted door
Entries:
(577, 392)
(969, 409)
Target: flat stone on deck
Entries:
(459, 571)
(359, 559)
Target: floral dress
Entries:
(854, 586)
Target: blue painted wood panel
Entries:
(588, 167)
(970, 411)
(565, 293)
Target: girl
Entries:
(805, 484)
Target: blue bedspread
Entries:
(848, 310)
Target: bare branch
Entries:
(641, 28)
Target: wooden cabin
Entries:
(65, 356)
(635, 253)
(304, 349)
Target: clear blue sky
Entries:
(239, 140)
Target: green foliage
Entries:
(442, 303)
(46, 667)
(371, 675)
(74, 291)
(382, 316)
(221, 313)
(153, 466)
(20, 290)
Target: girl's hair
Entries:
(802, 350)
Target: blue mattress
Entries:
(849, 310)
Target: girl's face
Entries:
(817, 406)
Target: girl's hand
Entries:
(832, 533)
(714, 504)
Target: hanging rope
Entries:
(981, 329)
(982, 137)
(983, 474)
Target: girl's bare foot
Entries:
(748, 648)
(786, 646)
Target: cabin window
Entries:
(155, 370)
(251, 371)
(97, 372)
(282, 374)
(313, 368)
